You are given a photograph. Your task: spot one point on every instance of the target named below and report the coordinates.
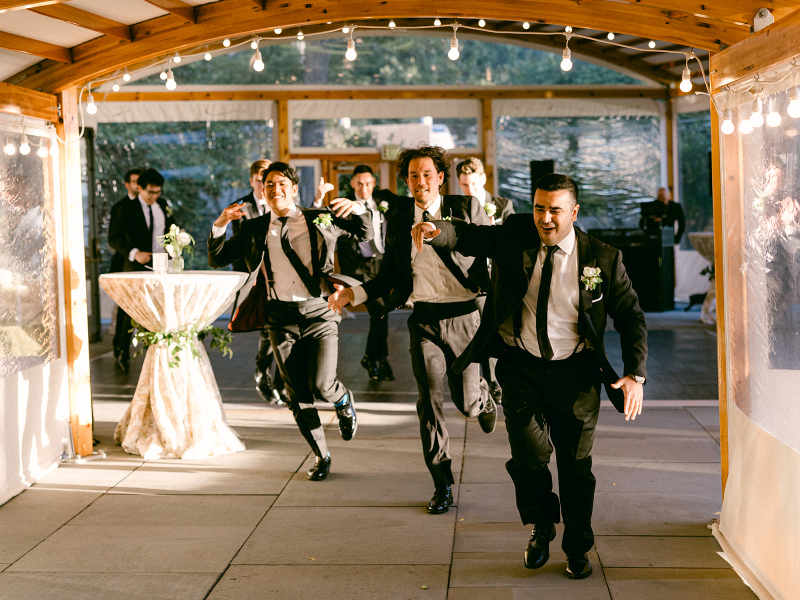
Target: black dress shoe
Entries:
(441, 501)
(348, 422)
(281, 398)
(365, 362)
(488, 417)
(579, 567)
(264, 387)
(538, 551)
(496, 392)
(385, 370)
(124, 363)
(374, 370)
(321, 468)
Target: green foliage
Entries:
(694, 144)
(177, 341)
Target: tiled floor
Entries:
(250, 525)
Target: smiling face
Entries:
(150, 194)
(280, 192)
(363, 185)
(424, 180)
(471, 184)
(554, 213)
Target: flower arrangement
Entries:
(175, 241)
(591, 277)
(490, 209)
(175, 341)
(324, 220)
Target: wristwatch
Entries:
(637, 378)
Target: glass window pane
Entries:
(694, 157)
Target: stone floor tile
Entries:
(702, 479)
(652, 421)
(488, 503)
(496, 537)
(326, 582)
(645, 448)
(27, 519)
(686, 589)
(640, 574)
(95, 476)
(653, 514)
(103, 586)
(350, 536)
(644, 551)
(494, 593)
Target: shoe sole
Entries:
(572, 575)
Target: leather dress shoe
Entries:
(441, 501)
(496, 392)
(372, 367)
(538, 551)
(282, 397)
(264, 387)
(579, 567)
(488, 417)
(321, 468)
(124, 363)
(385, 370)
(348, 422)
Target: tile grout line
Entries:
(686, 408)
(460, 482)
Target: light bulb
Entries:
(41, 152)
(757, 119)
(686, 80)
(53, 149)
(163, 75)
(278, 31)
(91, 107)
(526, 25)
(208, 56)
(171, 85)
(481, 23)
(115, 87)
(24, 146)
(568, 29)
(436, 22)
(651, 44)
(226, 42)
(351, 50)
(10, 149)
(176, 59)
(566, 63)
(774, 117)
(392, 24)
(727, 122)
(745, 126)
(794, 103)
(610, 36)
(126, 77)
(453, 54)
(258, 64)
(254, 44)
(300, 35)
(345, 30)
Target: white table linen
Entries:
(703, 242)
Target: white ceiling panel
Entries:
(122, 11)
(199, 2)
(45, 29)
(14, 62)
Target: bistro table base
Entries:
(176, 412)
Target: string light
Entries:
(300, 35)
(91, 107)
(226, 42)
(10, 149)
(526, 25)
(42, 151)
(208, 56)
(437, 23)
(171, 85)
(278, 31)
(24, 146)
(481, 23)
(745, 126)
(727, 122)
(757, 119)
(566, 56)
(453, 53)
(258, 64)
(115, 87)
(254, 43)
(686, 78)
(568, 29)
(345, 29)
(610, 36)
(794, 103)
(163, 75)
(176, 59)
(127, 76)
(53, 149)
(651, 44)
(774, 117)
(351, 49)
(392, 24)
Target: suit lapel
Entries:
(585, 259)
(314, 241)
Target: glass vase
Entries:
(175, 265)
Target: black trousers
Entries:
(489, 365)
(305, 338)
(264, 358)
(439, 333)
(556, 401)
(122, 334)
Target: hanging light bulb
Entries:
(10, 148)
(53, 149)
(24, 146)
(126, 77)
(208, 56)
(610, 36)
(42, 151)
(258, 64)
(300, 35)
(757, 119)
(651, 44)
(526, 25)
(566, 57)
(177, 58)
(91, 107)
(436, 22)
(226, 42)
(392, 24)
(794, 103)
(745, 126)
(278, 31)
(254, 43)
(163, 75)
(115, 87)
(686, 79)
(453, 53)
(727, 122)
(481, 23)
(568, 29)
(171, 85)
(774, 117)
(351, 50)
(345, 29)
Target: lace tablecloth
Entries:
(703, 242)
(176, 412)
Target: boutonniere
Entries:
(169, 209)
(324, 220)
(490, 209)
(447, 218)
(591, 277)
(383, 206)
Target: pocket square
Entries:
(598, 300)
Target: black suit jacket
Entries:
(505, 207)
(129, 231)
(513, 247)
(395, 276)
(250, 208)
(666, 213)
(117, 260)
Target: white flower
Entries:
(170, 249)
(383, 206)
(173, 228)
(591, 277)
(490, 209)
(591, 271)
(184, 239)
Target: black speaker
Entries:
(540, 168)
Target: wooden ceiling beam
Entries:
(176, 7)
(18, 43)
(87, 20)
(262, 4)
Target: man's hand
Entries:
(233, 212)
(322, 189)
(343, 207)
(422, 231)
(634, 396)
(143, 257)
(340, 298)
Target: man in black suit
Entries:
(118, 259)
(663, 212)
(472, 181)
(362, 260)
(134, 234)
(552, 288)
(292, 250)
(443, 286)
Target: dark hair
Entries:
(435, 153)
(259, 166)
(469, 166)
(363, 169)
(136, 172)
(284, 169)
(150, 177)
(555, 182)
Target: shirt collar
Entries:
(568, 243)
(144, 204)
(433, 209)
(369, 200)
(293, 214)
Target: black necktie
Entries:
(311, 282)
(150, 224)
(541, 305)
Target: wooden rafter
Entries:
(87, 20)
(177, 8)
(59, 54)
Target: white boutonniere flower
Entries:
(591, 277)
(324, 221)
(447, 218)
(490, 209)
(383, 206)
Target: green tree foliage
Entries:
(694, 145)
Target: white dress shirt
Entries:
(481, 196)
(159, 221)
(562, 305)
(377, 223)
(432, 280)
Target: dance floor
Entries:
(251, 526)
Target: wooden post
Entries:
(672, 182)
(487, 141)
(719, 270)
(284, 129)
(77, 325)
